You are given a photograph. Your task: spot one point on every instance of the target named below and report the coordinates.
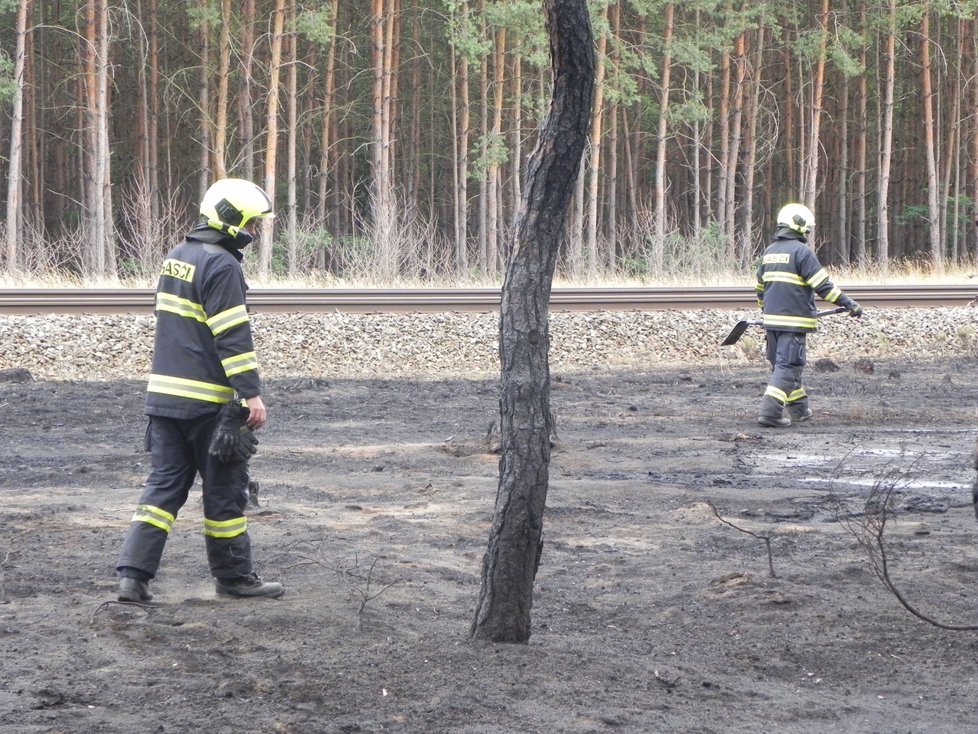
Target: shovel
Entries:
(741, 326)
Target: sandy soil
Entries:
(650, 614)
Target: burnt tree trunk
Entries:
(515, 540)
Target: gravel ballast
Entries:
(110, 347)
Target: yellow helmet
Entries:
(232, 203)
(797, 217)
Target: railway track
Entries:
(435, 300)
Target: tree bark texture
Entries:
(271, 137)
(515, 540)
(14, 186)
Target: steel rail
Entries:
(440, 300)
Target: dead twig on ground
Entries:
(364, 592)
(765, 538)
(106, 604)
(364, 587)
(869, 527)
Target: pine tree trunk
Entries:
(245, 114)
(952, 153)
(156, 204)
(862, 147)
(14, 172)
(223, 84)
(810, 188)
(733, 148)
(750, 164)
(930, 143)
(205, 171)
(495, 186)
(377, 133)
(267, 238)
(659, 214)
(723, 123)
(464, 133)
(886, 142)
(292, 225)
(590, 255)
(516, 175)
(326, 173)
(102, 205)
(515, 540)
(611, 226)
(974, 128)
(487, 267)
(842, 200)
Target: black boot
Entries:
(250, 586)
(800, 412)
(772, 413)
(134, 590)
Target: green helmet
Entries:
(797, 217)
(232, 203)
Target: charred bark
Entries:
(515, 540)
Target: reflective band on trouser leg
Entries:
(780, 395)
(225, 528)
(154, 516)
(145, 539)
(797, 395)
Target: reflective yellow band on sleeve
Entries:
(225, 528)
(223, 321)
(833, 295)
(193, 389)
(154, 516)
(777, 277)
(820, 277)
(180, 306)
(240, 363)
(795, 322)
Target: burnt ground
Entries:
(650, 614)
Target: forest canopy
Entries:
(393, 134)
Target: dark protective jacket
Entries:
(203, 355)
(788, 277)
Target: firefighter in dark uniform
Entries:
(203, 358)
(788, 277)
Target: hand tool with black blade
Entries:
(741, 326)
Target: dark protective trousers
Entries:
(787, 355)
(178, 451)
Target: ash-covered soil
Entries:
(650, 614)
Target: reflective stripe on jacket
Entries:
(788, 277)
(203, 355)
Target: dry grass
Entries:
(898, 274)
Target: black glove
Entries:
(233, 440)
(855, 310)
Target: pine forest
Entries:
(394, 134)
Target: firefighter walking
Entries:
(789, 276)
(203, 399)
